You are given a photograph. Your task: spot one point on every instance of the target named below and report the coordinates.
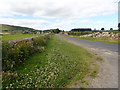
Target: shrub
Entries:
(14, 53)
(102, 29)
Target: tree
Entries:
(111, 28)
(56, 30)
(118, 26)
(102, 29)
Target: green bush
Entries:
(13, 54)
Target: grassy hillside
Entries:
(11, 27)
(17, 29)
(57, 66)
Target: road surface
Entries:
(108, 73)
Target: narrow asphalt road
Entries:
(108, 73)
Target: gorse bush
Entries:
(14, 53)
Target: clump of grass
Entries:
(85, 82)
(82, 88)
(94, 71)
(99, 59)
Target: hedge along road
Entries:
(108, 73)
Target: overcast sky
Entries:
(62, 14)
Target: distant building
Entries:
(80, 29)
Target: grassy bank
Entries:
(99, 39)
(17, 36)
(15, 53)
(60, 64)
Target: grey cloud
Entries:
(54, 12)
(59, 12)
(24, 9)
(60, 9)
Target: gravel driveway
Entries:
(108, 73)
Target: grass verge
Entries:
(100, 39)
(59, 65)
(94, 71)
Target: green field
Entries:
(90, 32)
(99, 39)
(17, 36)
(59, 65)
